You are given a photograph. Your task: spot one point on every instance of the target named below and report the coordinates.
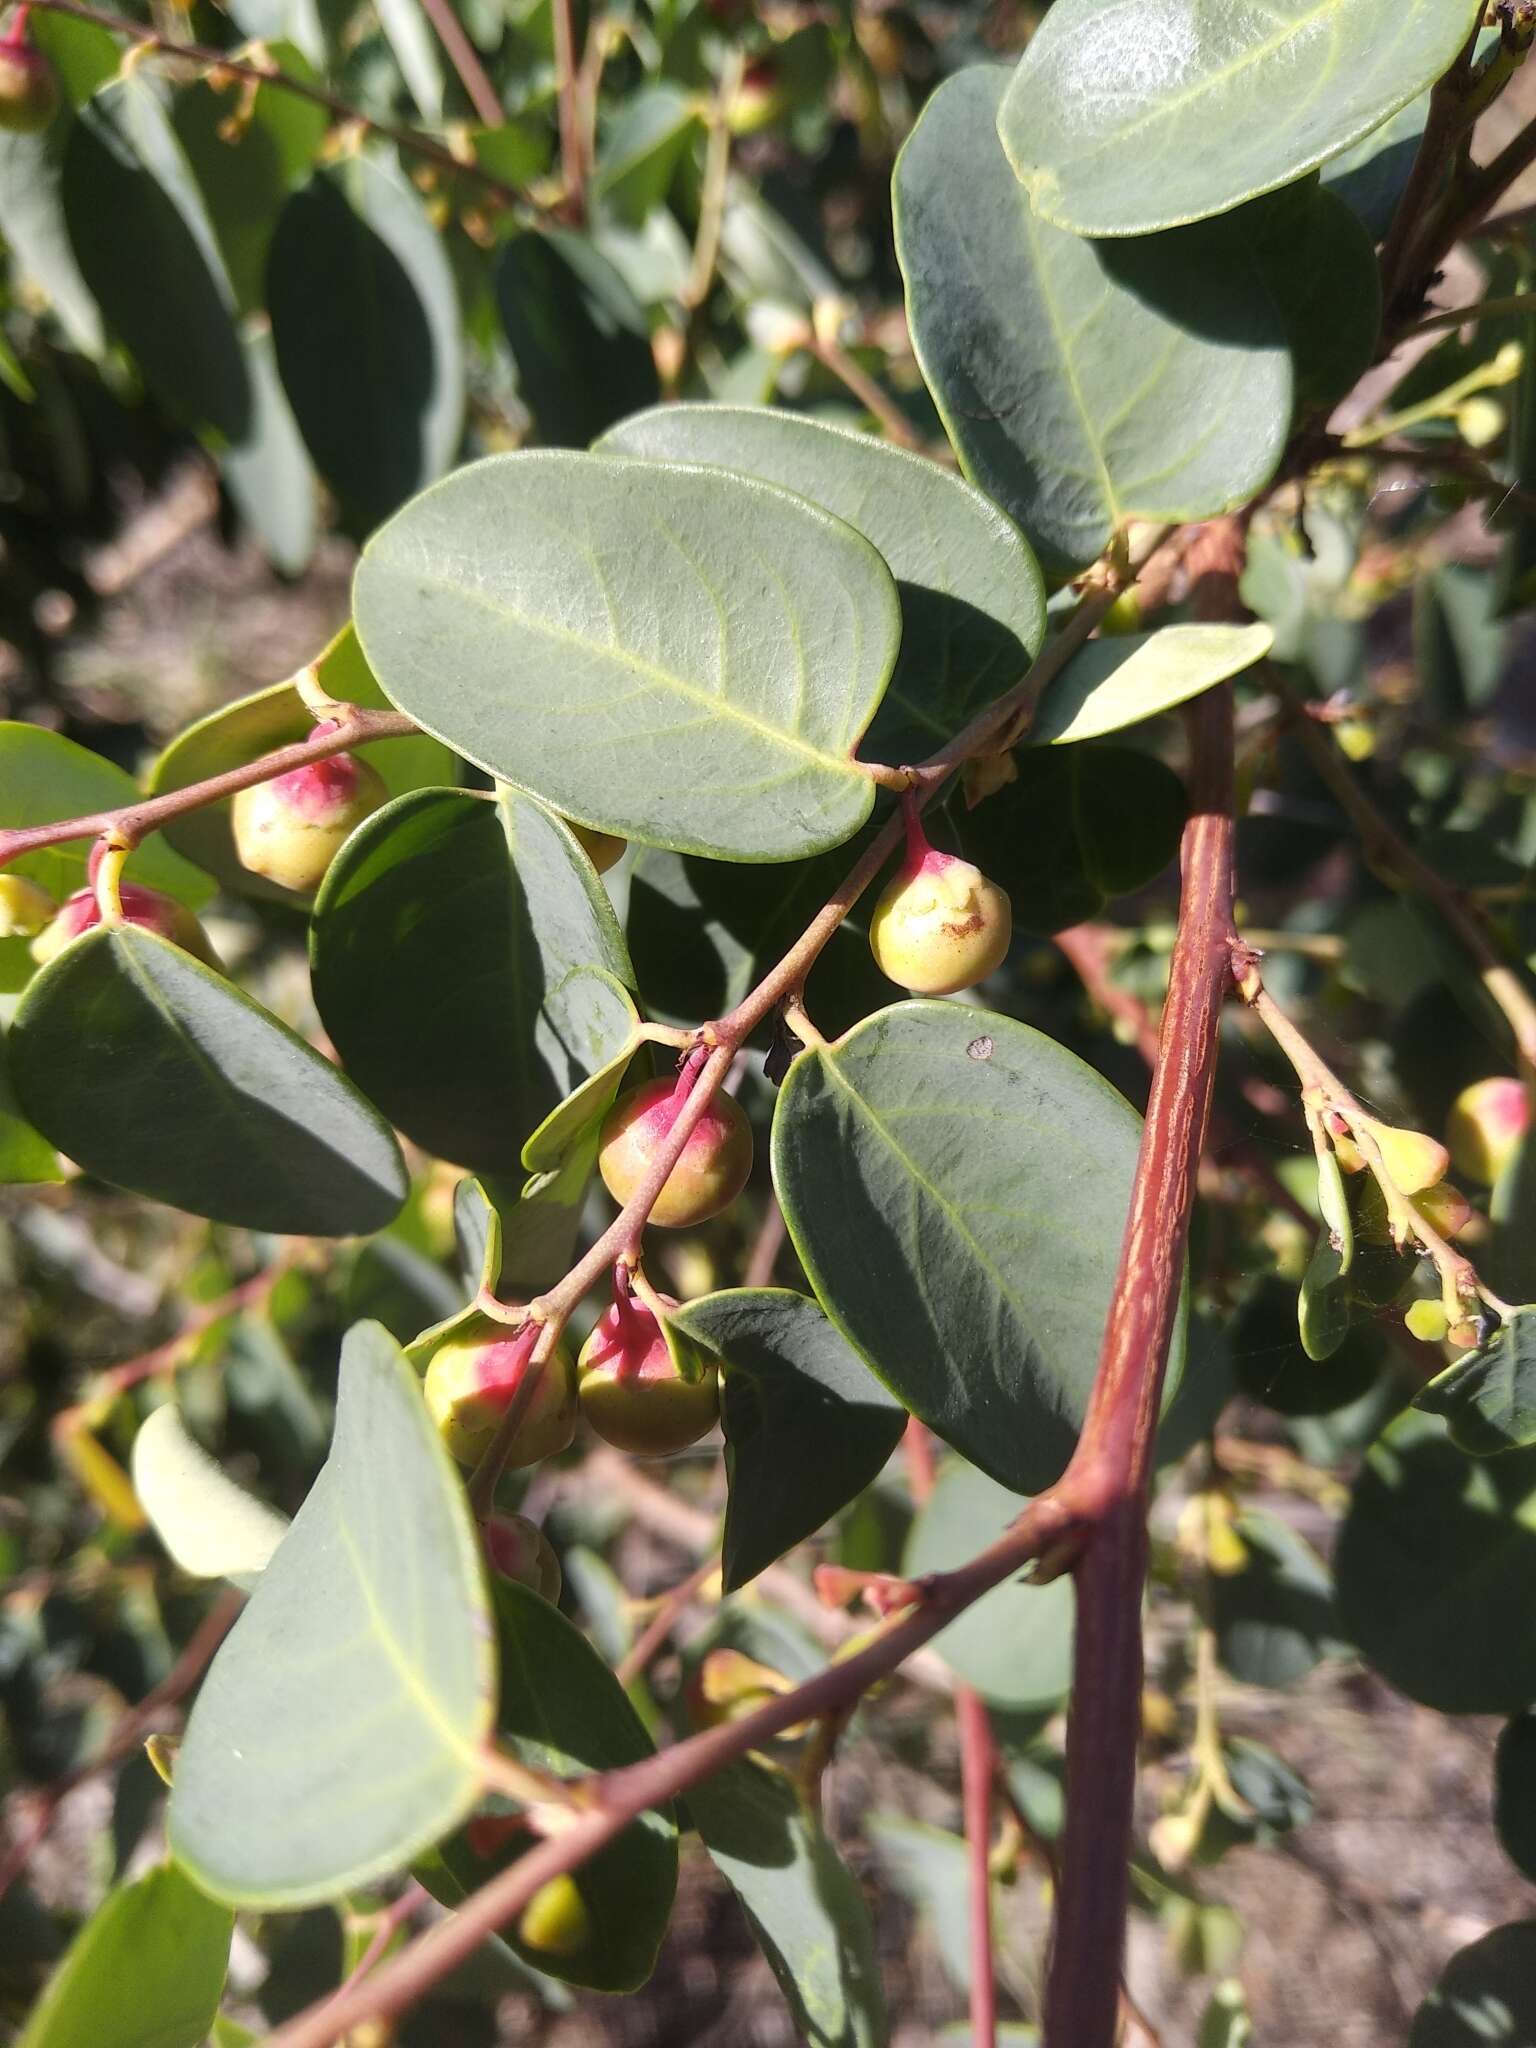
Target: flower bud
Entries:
(727, 1685)
(1485, 1127)
(29, 90)
(24, 907)
(146, 908)
(520, 1551)
(631, 1391)
(471, 1382)
(940, 925)
(289, 829)
(1413, 1160)
(1444, 1208)
(715, 1161)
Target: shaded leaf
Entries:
(1124, 119)
(956, 1185)
(1320, 266)
(807, 1425)
(676, 655)
(338, 1730)
(578, 335)
(640, 152)
(1370, 175)
(466, 962)
(1015, 1643)
(1486, 1996)
(231, 1115)
(804, 1905)
(365, 322)
(26, 1157)
(1082, 384)
(1274, 1619)
(1488, 1397)
(146, 1971)
(563, 1711)
(1120, 680)
(37, 232)
(1436, 1570)
(972, 603)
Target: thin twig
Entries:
(717, 168)
(669, 1611)
(465, 59)
(873, 397)
(1515, 306)
(978, 1766)
(573, 157)
(264, 73)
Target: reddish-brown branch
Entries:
(669, 1610)
(130, 1732)
(1113, 1458)
(978, 1765)
(465, 59)
(573, 162)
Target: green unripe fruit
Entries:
(472, 1380)
(1485, 1127)
(146, 908)
(632, 1393)
(715, 1161)
(603, 849)
(291, 828)
(940, 926)
(1427, 1320)
(29, 91)
(1413, 1160)
(24, 908)
(555, 1919)
(519, 1550)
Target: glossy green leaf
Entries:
(365, 321)
(1514, 1792)
(338, 1730)
(1126, 116)
(467, 965)
(212, 1528)
(231, 1115)
(1073, 829)
(1486, 1996)
(146, 1970)
(143, 242)
(44, 777)
(410, 36)
(677, 655)
(563, 1711)
(1082, 384)
(641, 150)
(804, 1904)
(1274, 1619)
(1122, 679)
(972, 602)
(1488, 1397)
(268, 473)
(807, 1425)
(1436, 1570)
(928, 1866)
(956, 1186)
(578, 335)
(26, 1157)
(276, 717)
(246, 169)
(1015, 1643)
(582, 1110)
(84, 55)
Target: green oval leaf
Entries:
(338, 1731)
(972, 601)
(1488, 1398)
(1320, 266)
(213, 1528)
(956, 1186)
(365, 320)
(677, 655)
(146, 1971)
(585, 1107)
(1122, 119)
(251, 726)
(230, 1114)
(26, 1157)
(1015, 1644)
(1436, 1570)
(1122, 679)
(563, 1711)
(466, 963)
(1486, 1996)
(45, 777)
(1082, 384)
(804, 1904)
(1273, 1619)
(807, 1425)
(37, 231)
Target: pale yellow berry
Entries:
(940, 926)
